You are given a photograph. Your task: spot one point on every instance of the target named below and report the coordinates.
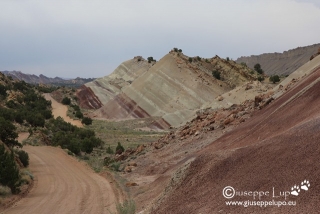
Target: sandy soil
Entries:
(64, 185)
(22, 136)
(61, 110)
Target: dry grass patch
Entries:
(4, 191)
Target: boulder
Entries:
(140, 148)
(128, 169)
(131, 184)
(132, 163)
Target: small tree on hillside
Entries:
(9, 172)
(86, 121)
(3, 90)
(150, 59)
(74, 146)
(87, 146)
(24, 157)
(8, 133)
(216, 74)
(260, 78)
(36, 119)
(274, 78)
(257, 68)
(79, 114)
(119, 148)
(66, 101)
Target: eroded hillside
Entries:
(276, 149)
(173, 88)
(97, 93)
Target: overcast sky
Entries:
(91, 38)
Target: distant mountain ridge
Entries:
(281, 63)
(42, 79)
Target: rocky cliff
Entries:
(281, 63)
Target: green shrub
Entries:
(71, 137)
(24, 157)
(198, 58)
(87, 146)
(86, 121)
(180, 50)
(216, 74)
(190, 59)
(85, 157)
(8, 133)
(109, 150)
(115, 166)
(257, 68)
(11, 104)
(66, 101)
(260, 78)
(3, 90)
(228, 59)
(4, 190)
(75, 107)
(274, 78)
(119, 148)
(9, 172)
(175, 49)
(150, 59)
(36, 119)
(74, 146)
(79, 114)
(28, 173)
(127, 207)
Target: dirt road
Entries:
(61, 110)
(63, 185)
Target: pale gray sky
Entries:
(91, 38)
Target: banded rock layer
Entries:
(173, 88)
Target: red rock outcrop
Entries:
(275, 149)
(121, 107)
(87, 99)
